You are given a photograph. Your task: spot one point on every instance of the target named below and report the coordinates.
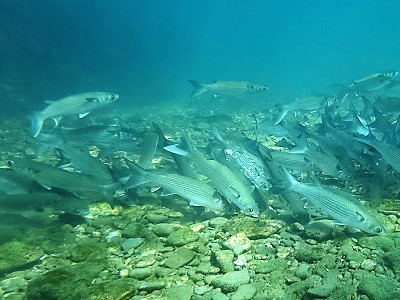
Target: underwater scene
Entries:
(190, 150)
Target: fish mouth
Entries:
(114, 97)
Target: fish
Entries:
(372, 82)
(342, 207)
(49, 177)
(78, 104)
(308, 103)
(232, 88)
(149, 147)
(221, 178)
(197, 192)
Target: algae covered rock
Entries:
(69, 282)
(15, 254)
(182, 292)
(378, 287)
(224, 260)
(134, 230)
(231, 281)
(308, 253)
(180, 258)
(181, 237)
(392, 260)
(245, 292)
(116, 289)
(90, 250)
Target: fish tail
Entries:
(37, 123)
(285, 183)
(138, 175)
(283, 110)
(199, 88)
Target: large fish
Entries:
(79, 104)
(230, 88)
(197, 192)
(222, 179)
(342, 207)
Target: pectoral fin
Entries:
(93, 99)
(84, 114)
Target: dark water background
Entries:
(147, 50)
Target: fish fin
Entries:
(194, 203)
(165, 193)
(282, 113)
(176, 150)
(199, 88)
(56, 120)
(155, 188)
(93, 99)
(48, 102)
(37, 123)
(84, 114)
(139, 175)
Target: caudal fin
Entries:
(138, 175)
(283, 110)
(37, 123)
(199, 88)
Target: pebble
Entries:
(131, 243)
(141, 273)
(368, 265)
(302, 271)
(156, 218)
(124, 273)
(151, 286)
(239, 239)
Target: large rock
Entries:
(180, 258)
(134, 230)
(231, 281)
(245, 292)
(379, 287)
(181, 237)
(392, 260)
(224, 260)
(182, 292)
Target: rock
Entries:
(141, 273)
(16, 254)
(151, 286)
(239, 239)
(265, 267)
(237, 249)
(89, 250)
(201, 290)
(131, 243)
(308, 253)
(245, 292)
(163, 229)
(218, 221)
(320, 230)
(322, 291)
(134, 230)
(303, 271)
(231, 281)
(375, 242)
(368, 265)
(224, 260)
(13, 284)
(181, 237)
(124, 273)
(392, 260)
(156, 218)
(219, 296)
(378, 287)
(183, 292)
(180, 258)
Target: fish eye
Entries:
(9, 163)
(251, 209)
(378, 229)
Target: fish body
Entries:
(342, 207)
(222, 179)
(232, 88)
(372, 82)
(197, 192)
(79, 104)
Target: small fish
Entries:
(79, 104)
(372, 82)
(232, 88)
(222, 179)
(309, 104)
(197, 192)
(342, 207)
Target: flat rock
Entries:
(182, 292)
(133, 230)
(322, 291)
(231, 281)
(131, 243)
(224, 260)
(181, 237)
(180, 258)
(245, 292)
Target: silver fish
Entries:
(79, 104)
(232, 88)
(197, 192)
(342, 207)
(222, 179)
